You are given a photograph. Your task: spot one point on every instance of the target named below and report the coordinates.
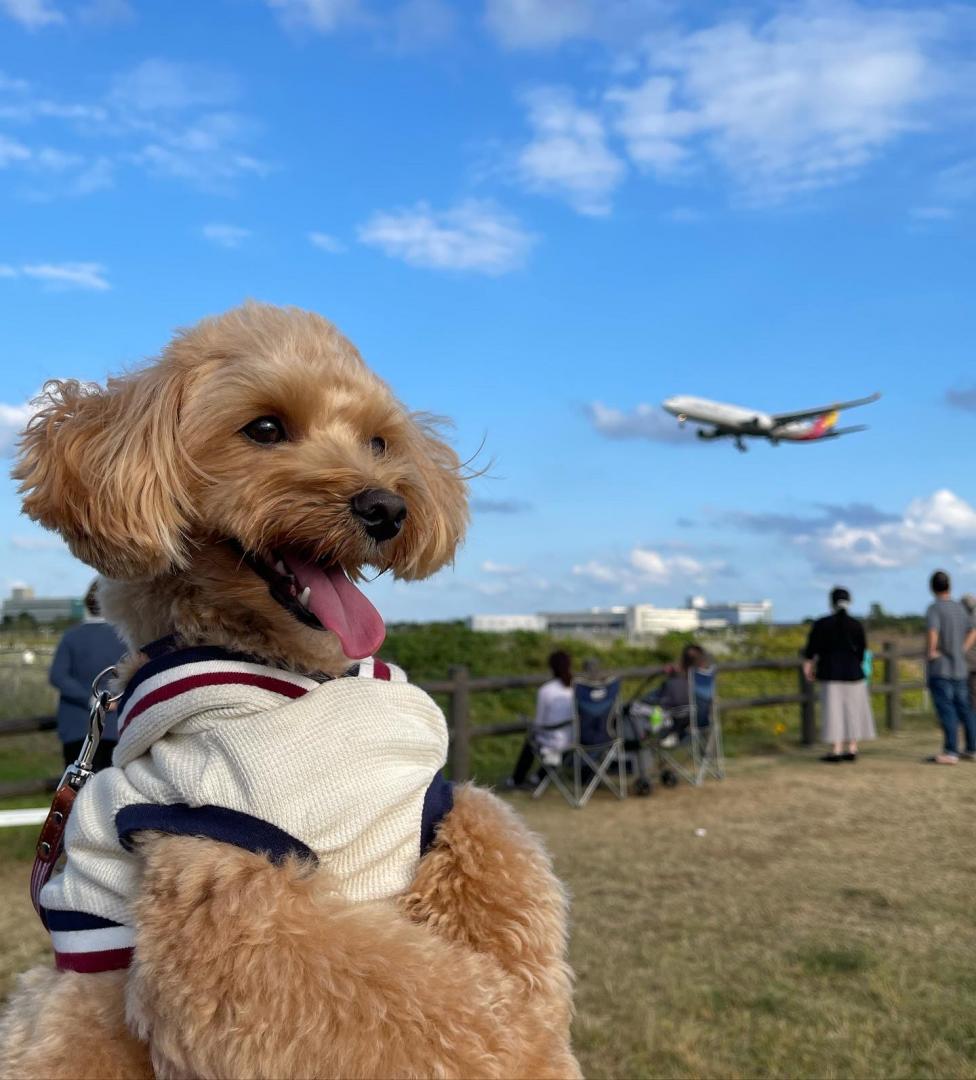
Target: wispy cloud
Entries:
(643, 422)
(962, 397)
(326, 242)
(37, 543)
(645, 566)
(32, 14)
(500, 506)
(489, 566)
(322, 16)
(169, 119)
(227, 236)
(568, 154)
(778, 101)
(548, 24)
(475, 235)
(799, 100)
(69, 275)
(13, 420)
(860, 537)
(62, 275)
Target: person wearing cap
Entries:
(834, 656)
(950, 635)
(82, 653)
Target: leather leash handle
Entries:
(50, 843)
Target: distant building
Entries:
(502, 624)
(42, 609)
(635, 622)
(646, 620)
(593, 623)
(741, 613)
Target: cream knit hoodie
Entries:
(344, 771)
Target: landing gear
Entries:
(682, 419)
(740, 444)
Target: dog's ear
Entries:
(104, 468)
(439, 497)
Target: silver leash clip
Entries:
(78, 773)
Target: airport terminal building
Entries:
(634, 622)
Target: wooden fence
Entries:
(459, 687)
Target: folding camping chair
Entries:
(596, 747)
(699, 752)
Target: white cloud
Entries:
(940, 524)
(421, 24)
(12, 152)
(172, 120)
(31, 14)
(326, 242)
(228, 236)
(932, 213)
(69, 275)
(520, 24)
(323, 16)
(106, 12)
(568, 154)
(802, 100)
(13, 420)
(475, 235)
(646, 566)
(502, 569)
(37, 543)
(643, 422)
(159, 85)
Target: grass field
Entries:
(824, 925)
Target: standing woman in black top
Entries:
(835, 658)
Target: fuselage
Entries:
(739, 420)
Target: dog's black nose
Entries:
(381, 512)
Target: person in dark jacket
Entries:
(82, 653)
(834, 656)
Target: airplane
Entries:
(738, 423)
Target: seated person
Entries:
(552, 729)
(671, 697)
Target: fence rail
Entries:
(459, 687)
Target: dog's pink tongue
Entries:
(340, 607)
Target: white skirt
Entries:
(845, 712)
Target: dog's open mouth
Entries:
(318, 592)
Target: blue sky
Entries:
(535, 217)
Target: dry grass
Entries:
(824, 926)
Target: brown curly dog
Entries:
(231, 494)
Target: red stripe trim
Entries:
(381, 670)
(90, 962)
(216, 678)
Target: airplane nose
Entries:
(381, 512)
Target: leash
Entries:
(50, 843)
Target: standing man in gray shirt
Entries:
(950, 634)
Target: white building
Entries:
(740, 613)
(502, 624)
(646, 620)
(42, 609)
(592, 623)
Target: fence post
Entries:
(808, 709)
(893, 693)
(460, 731)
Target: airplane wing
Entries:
(811, 414)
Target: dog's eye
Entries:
(265, 430)
(377, 445)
